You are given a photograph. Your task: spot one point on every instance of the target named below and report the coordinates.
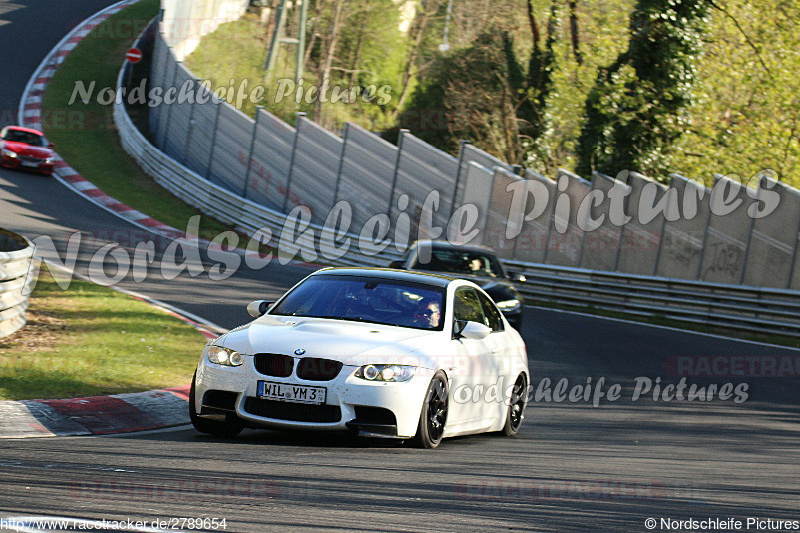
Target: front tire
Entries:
(433, 418)
(225, 429)
(516, 407)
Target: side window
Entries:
(466, 306)
(493, 318)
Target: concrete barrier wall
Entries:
(478, 185)
(641, 235)
(269, 161)
(501, 219)
(684, 232)
(314, 170)
(421, 169)
(565, 239)
(773, 242)
(601, 240)
(728, 233)
(531, 244)
(367, 171)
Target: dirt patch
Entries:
(40, 334)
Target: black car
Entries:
(475, 263)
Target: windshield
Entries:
(460, 262)
(366, 299)
(26, 137)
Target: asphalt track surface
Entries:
(573, 467)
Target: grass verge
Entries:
(91, 340)
(85, 135)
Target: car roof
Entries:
(29, 130)
(437, 280)
(446, 245)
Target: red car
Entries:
(26, 148)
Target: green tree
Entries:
(639, 105)
(483, 93)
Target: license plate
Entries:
(29, 164)
(286, 392)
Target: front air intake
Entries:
(275, 365)
(313, 369)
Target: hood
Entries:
(351, 343)
(28, 150)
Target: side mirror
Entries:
(396, 264)
(472, 330)
(516, 276)
(258, 308)
(51, 145)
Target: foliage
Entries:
(748, 110)
(369, 51)
(639, 105)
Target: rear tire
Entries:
(227, 429)
(516, 407)
(433, 418)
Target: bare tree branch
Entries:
(741, 30)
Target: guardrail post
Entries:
(747, 247)
(341, 164)
(551, 222)
(459, 168)
(660, 244)
(162, 141)
(190, 129)
(213, 137)
(250, 155)
(625, 209)
(794, 255)
(300, 118)
(400, 137)
(705, 240)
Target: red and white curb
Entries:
(97, 415)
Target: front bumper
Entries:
(351, 403)
(22, 163)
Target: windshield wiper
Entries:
(351, 318)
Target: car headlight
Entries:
(224, 356)
(8, 153)
(50, 160)
(509, 305)
(392, 373)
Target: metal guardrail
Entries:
(16, 253)
(752, 309)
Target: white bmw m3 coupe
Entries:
(381, 352)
